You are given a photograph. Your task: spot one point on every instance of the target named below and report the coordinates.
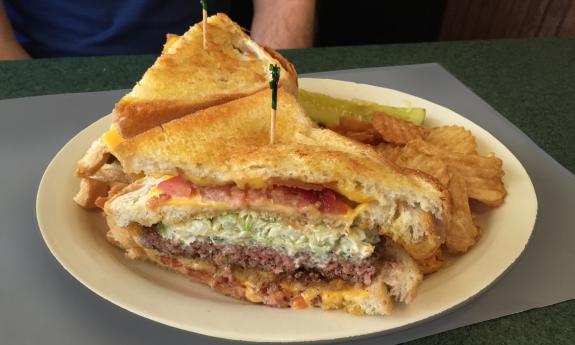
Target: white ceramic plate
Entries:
(76, 238)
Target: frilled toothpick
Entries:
(275, 71)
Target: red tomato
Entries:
(332, 202)
(176, 186)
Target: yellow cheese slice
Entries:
(112, 138)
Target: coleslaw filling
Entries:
(249, 228)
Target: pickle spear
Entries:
(327, 110)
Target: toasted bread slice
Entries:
(187, 78)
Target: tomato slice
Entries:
(333, 203)
(326, 200)
(294, 197)
(176, 186)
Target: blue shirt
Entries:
(47, 28)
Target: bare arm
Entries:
(284, 24)
(10, 49)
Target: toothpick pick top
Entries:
(275, 71)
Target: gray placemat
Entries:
(41, 303)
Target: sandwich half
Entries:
(187, 78)
(313, 220)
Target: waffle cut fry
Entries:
(391, 152)
(393, 130)
(454, 139)
(482, 174)
(413, 158)
(432, 263)
(358, 130)
(461, 233)
(449, 155)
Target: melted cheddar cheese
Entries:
(112, 138)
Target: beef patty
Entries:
(265, 258)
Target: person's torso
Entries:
(101, 27)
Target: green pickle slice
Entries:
(327, 110)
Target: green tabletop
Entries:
(530, 81)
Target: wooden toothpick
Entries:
(275, 70)
(205, 21)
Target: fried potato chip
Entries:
(350, 124)
(482, 174)
(478, 208)
(90, 191)
(369, 136)
(397, 131)
(453, 139)
(358, 130)
(390, 151)
(432, 263)
(430, 164)
(483, 177)
(449, 154)
(460, 233)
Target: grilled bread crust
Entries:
(187, 78)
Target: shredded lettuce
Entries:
(246, 228)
